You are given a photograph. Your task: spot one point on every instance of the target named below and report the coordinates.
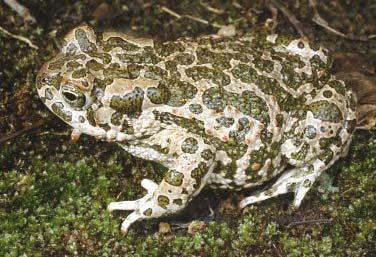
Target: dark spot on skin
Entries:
(57, 108)
(301, 45)
(94, 65)
(114, 42)
(248, 103)
(79, 73)
(338, 87)
(225, 121)
(54, 81)
(180, 91)
(168, 48)
(310, 132)
(326, 156)
(204, 73)
(174, 177)
(73, 65)
(184, 59)
(159, 95)
(279, 120)
(84, 42)
(163, 201)
(199, 172)
(105, 57)
(189, 145)
(132, 71)
(126, 128)
(48, 94)
(81, 119)
(326, 111)
(129, 103)
(71, 49)
(116, 118)
(178, 202)
(327, 93)
(105, 126)
(154, 72)
(90, 116)
(350, 125)
(207, 154)
(195, 108)
(148, 212)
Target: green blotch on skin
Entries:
(84, 42)
(178, 202)
(199, 172)
(54, 81)
(350, 125)
(132, 71)
(310, 132)
(207, 154)
(168, 48)
(114, 42)
(57, 108)
(184, 59)
(155, 72)
(90, 117)
(94, 65)
(248, 103)
(129, 103)
(116, 118)
(159, 95)
(79, 73)
(126, 128)
(338, 87)
(326, 111)
(215, 75)
(163, 201)
(189, 145)
(180, 91)
(326, 156)
(148, 212)
(195, 108)
(327, 94)
(105, 57)
(174, 177)
(73, 65)
(225, 121)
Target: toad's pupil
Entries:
(70, 96)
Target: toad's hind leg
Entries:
(297, 180)
(184, 179)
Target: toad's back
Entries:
(228, 112)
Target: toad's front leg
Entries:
(184, 179)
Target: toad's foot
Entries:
(149, 185)
(297, 180)
(142, 207)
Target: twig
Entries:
(296, 223)
(20, 38)
(22, 131)
(323, 23)
(211, 9)
(21, 10)
(290, 16)
(178, 16)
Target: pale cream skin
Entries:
(228, 113)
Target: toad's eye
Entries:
(73, 97)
